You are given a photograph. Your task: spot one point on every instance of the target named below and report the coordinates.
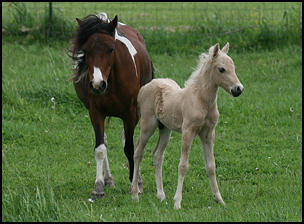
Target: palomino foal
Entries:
(191, 110)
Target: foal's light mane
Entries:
(203, 59)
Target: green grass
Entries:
(48, 165)
(179, 26)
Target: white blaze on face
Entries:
(97, 75)
(128, 44)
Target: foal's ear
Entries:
(226, 48)
(79, 21)
(114, 22)
(215, 51)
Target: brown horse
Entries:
(111, 64)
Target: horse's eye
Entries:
(111, 50)
(221, 69)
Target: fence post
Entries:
(50, 18)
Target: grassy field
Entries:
(48, 165)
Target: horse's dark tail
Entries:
(147, 76)
(152, 70)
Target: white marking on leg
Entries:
(108, 178)
(97, 75)
(100, 154)
(107, 171)
(129, 45)
(107, 167)
(123, 138)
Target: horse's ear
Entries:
(226, 48)
(215, 50)
(114, 22)
(79, 21)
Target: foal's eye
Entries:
(221, 69)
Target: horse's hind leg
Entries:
(147, 127)
(164, 137)
(108, 178)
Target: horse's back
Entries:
(162, 98)
(157, 87)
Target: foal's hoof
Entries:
(218, 199)
(177, 206)
(221, 202)
(161, 196)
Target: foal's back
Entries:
(162, 98)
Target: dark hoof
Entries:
(96, 195)
(99, 191)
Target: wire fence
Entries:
(170, 19)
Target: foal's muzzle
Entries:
(237, 90)
(100, 89)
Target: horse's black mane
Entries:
(90, 25)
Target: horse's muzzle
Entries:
(100, 89)
(237, 90)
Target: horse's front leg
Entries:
(187, 137)
(207, 138)
(100, 152)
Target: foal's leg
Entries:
(187, 137)
(147, 128)
(164, 137)
(140, 183)
(207, 139)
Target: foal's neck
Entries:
(204, 87)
